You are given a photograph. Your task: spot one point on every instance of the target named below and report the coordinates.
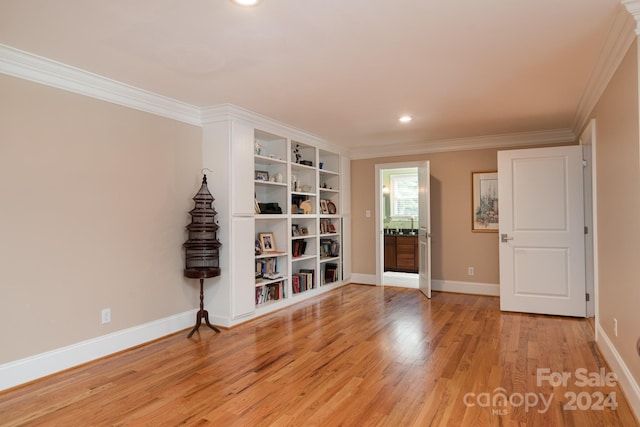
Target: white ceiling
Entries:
(344, 70)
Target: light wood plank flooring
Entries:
(357, 356)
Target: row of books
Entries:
(303, 280)
(270, 292)
(329, 248)
(326, 226)
(298, 247)
(330, 273)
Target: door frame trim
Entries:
(379, 225)
(588, 139)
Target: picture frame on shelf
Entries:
(331, 208)
(262, 176)
(324, 209)
(295, 230)
(258, 247)
(484, 202)
(267, 242)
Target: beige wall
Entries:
(618, 209)
(94, 198)
(455, 247)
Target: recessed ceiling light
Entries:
(246, 2)
(405, 119)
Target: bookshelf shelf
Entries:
(329, 235)
(270, 183)
(262, 282)
(303, 258)
(306, 236)
(265, 160)
(271, 255)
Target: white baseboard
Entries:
(474, 288)
(30, 368)
(365, 279)
(626, 381)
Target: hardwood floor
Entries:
(357, 356)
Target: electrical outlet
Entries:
(615, 326)
(471, 271)
(106, 315)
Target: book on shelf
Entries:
(330, 273)
(298, 247)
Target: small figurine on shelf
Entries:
(258, 147)
(296, 152)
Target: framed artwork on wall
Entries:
(484, 202)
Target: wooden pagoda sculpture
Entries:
(202, 248)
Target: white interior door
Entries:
(424, 230)
(542, 257)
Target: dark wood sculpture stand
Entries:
(202, 313)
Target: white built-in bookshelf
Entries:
(300, 185)
(297, 218)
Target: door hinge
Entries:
(588, 297)
(584, 163)
(586, 230)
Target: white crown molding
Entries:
(224, 112)
(633, 6)
(611, 55)
(522, 139)
(18, 63)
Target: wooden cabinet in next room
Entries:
(401, 253)
(389, 253)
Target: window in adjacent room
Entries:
(404, 195)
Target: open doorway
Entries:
(398, 220)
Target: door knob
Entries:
(504, 238)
